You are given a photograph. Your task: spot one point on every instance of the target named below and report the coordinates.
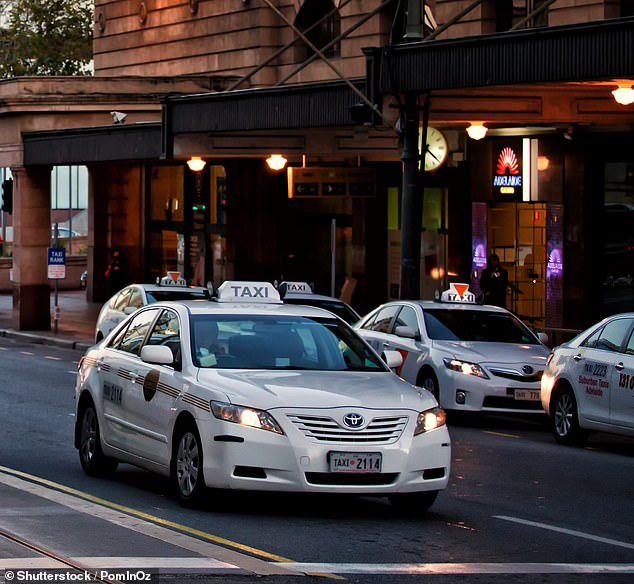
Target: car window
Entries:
(592, 340)
(407, 317)
(381, 321)
(613, 334)
(279, 342)
(122, 300)
(132, 336)
(629, 349)
(341, 309)
(174, 294)
(476, 325)
(166, 332)
(136, 298)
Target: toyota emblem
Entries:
(527, 370)
(353, 420)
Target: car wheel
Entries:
(91, 456)
(565, 418)
(186, 473)
(413, 503)
(427, 380)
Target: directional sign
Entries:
(56, 263)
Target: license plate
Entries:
(527, 394)
(354, 462)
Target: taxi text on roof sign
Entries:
(173, 279)
(458, 293)
(302, 287)
(231, 291)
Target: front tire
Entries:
(186, 473)
(565, 418)
(427, 380)
(91, 456)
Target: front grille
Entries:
(516, 375)
(325, 429)
(345, 479)
(510, 403)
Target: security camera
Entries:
(118, 117)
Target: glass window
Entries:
(169, 294)
(592, 340)
(166, 332)
(122, 301)
(279, 342)
(613, 334)
(382, 320)
(407, 317)
(132, 337)
(136, 298)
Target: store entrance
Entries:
(516, 232)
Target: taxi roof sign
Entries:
(172, 279)
(299, 287)
(458, 293)
(253, 292)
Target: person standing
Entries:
(117, 272)
(494, 282)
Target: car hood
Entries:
(495, 353)
(318, 389)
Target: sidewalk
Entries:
(75, 327)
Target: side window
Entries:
(136, 298)
(613, 334)
(166, 332)
(132, 338)
(122, 300)
(630, 345)
(407, 317)
(381, 323)
(592, 340)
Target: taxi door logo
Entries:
(507, 179)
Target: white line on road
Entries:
(572, 532)
(476, 568)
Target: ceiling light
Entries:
(624, 94)
(276, 162)
(196, 163)
(543, 163)
(477, 130)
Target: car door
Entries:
(121, 394)
(154, 390)
(622, 390)
(376, 330)
(595, 369)
(405, 337)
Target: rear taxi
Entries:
(472, 357)
(302, 293)
(245, 392)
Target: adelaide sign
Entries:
(507, 174)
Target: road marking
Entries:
(192, 565)
(27, 353)
(177, 534)
(52, 358)
(477, 568)
(572, 532)
(501, 434)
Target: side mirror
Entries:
(543, 337)
(406, 332)
(393, 359)
(158, 354)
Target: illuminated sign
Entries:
(507, 178)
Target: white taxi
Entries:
(471, 357)
(302, 293)
(170, 287)
(245, 392)
(588, 384)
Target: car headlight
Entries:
(245, 416)
(465, 367)
(430, 420)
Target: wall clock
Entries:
(436, 150)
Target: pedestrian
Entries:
(494, 281)
(117, 272)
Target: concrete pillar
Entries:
(31, 239)
(97, 261)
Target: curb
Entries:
(40, 339)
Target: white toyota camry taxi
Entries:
(245, 392)
(471, 357)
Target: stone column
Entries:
(31, 239)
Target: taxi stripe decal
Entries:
(197, 402)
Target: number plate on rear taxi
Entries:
(527, 394)
(354, 461)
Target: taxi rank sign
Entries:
(56, 263)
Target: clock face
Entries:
(436, 150)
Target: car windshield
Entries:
(279, 342)
(174, 294)
(341, 309)
(476, 325)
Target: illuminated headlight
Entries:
(430, 420)
(245, 416)
(465, 367)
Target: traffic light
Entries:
(7, 195)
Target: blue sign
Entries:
(56, 263)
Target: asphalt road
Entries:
(517, 501)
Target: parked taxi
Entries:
(588, 384)
(245, 392)
(471, 357)
(302, 293)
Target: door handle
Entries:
(577, 357)
(619, 366)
